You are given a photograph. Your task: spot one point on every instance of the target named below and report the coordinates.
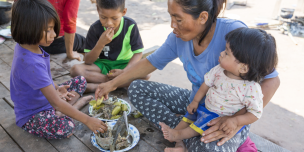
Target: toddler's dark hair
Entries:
(111, 4)
(255, 48)
(30, 19)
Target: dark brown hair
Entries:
(255, 48)
(111, 4)
(196, 7)
(30, 19)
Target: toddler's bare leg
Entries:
(182, 125)
(177, 135)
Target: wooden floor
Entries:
(14, 139)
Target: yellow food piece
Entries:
(116, 117)
(124, 107)
(99, 101)
(116, 110)
(100, 106)
(92, 102)
(94, 106)
(137, 114)
(117, 104)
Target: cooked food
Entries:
(108, 109)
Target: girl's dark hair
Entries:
(30, 19)
(196, 7)
(111, 4)
(255, 48)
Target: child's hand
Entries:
(229, 125)
(192, 107)
(63, 92)
(114, 73)
(95, 124)
(106, 36)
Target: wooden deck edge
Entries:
(149, 51)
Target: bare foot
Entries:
(169, 134)
(69, 135)
(82, 102)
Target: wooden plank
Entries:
(8, 57)
(4, 50)
(6, 142)
(4, 67)
(57, 70)
(142, 146)
(62, 60)
(62, 79)
(9, 101)
(3, 91)
(26, 141)
(10, 43)
(5, 78)
(150, 51)
(69, 145)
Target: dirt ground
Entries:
(283, 118)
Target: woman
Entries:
(197, 39)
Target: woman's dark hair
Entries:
(255, 48)
(196, 7)
(30, 19)
(111, 4)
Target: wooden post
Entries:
(276, 9)
(300, 8)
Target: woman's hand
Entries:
(114, 73)
(63, 92)
(213, 133)
(192, 107)
(104, 89)
(95, 124)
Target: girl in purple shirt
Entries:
(35, 96)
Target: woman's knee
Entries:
(132, 89)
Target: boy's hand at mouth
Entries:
(106, 36)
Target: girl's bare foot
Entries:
(169, 134)
(69, 135)
(82, 102)
(179, 147)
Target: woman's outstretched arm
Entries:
(138, 70)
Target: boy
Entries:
(113, 44)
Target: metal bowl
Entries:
(287, 13)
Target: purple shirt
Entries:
(30, 72)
